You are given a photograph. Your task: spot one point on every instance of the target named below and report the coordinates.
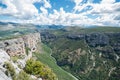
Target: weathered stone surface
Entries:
(31, 40)
(17, 46)
(13, 46)
(4, 57)
(3, 76)
(76, 36)
(46, 36)
(97, 39)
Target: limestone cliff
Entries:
(3, 58)
(17, 46)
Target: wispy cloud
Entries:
(85, 12)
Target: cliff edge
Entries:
(15, 52)
(17, 46)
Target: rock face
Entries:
(76, 36)
(3, 76)
(46, 36)
(13, 47)
(17, 46)
(97, 39)
(3, 58)
(31, 40)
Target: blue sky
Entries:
(61, 12)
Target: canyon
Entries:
(87, 53)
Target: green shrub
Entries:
(10, 70)
(39, 69)
(15, 58)
(23, 76)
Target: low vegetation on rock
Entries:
(10, 71)
(39, 69)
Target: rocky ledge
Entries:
(17, 46)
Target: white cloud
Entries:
(77, 4)
(47, 4)
(19, 8)
(107, 12)
(44, 11)
(107, 1)
(11, 9)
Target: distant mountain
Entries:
(37, 26)
(50, 26)
(6, 23)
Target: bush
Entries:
(39, 69)
(10, 70)
(23, 76)
(14, 58)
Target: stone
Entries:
(3, 57)
(17, 46)
(3, 76)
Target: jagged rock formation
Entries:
(46, 36)
(31, 40)
(76, 36)
(13, 47)
(4, 57)
(97, 39)
(17, 46)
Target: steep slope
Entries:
(46, 58)
(89, 54)
(16, 61)
(14, 54)
(3, 58)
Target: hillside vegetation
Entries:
(46, 58)
(87, 53)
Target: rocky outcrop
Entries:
(13, 46)
(4, 57)
(97, 39)
(3, 76)
(46, 36)
(17, 46)
(31, 40)
(76, 36)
